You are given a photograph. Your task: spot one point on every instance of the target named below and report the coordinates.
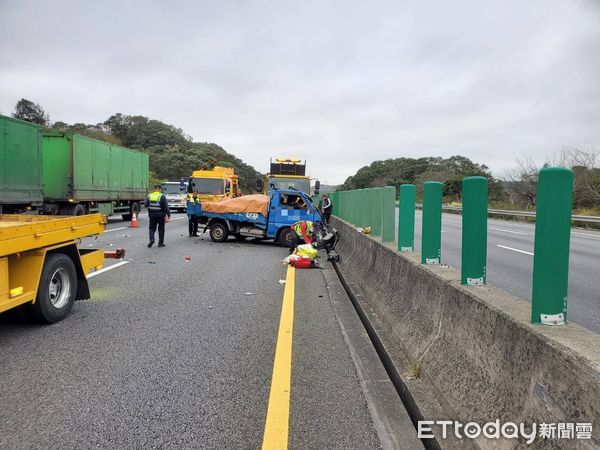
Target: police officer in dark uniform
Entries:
(158, 214)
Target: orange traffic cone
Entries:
(134, 221)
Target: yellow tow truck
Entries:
(41, 267)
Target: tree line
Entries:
(173, 154)
(516, 190)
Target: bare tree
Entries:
(586, 167)
(522, 182)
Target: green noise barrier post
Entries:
(551, 248)
(406, 218)
(388, 214)
(431, 244)
(474, 231)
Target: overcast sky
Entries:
(338, 83)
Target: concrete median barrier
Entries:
(479, 358)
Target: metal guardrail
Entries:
(508, 212)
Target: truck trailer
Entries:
(67, 174)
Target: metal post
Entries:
(431, 235)
(375, 201)
(388, 214)
(474, 231)
(551, 249)
(406, 218)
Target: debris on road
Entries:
(188, 258)
(151, 262)
(281, 281)
(248, 293)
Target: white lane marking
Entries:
(525, 227)
(106, 269)
(515, 249)
(595, 236)
(508, 231)
(115, 229)
(176, 218)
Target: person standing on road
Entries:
(326, 208)
(158, 213)
(192, 199)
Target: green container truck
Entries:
(20, 163)
(75, 174)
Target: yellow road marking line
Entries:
(278, 412)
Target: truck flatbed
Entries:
(19, 233)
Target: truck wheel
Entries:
(219, 232)
(285, 237)
(76, 210)
(57, 288)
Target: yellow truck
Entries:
(41, 267)
(287, 173)
(215, 184)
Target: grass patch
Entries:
(414, 370)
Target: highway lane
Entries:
(510, 262)
(176, 354)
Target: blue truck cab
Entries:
(286, 207)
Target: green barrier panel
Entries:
(360, 208)
(365, 208)
(474, 231)
(348, 203)
(431, 235)
(388, 214)
(551, 249)
(406, 218)
(355, 206)
(335, 198)
(352, 207)
(375, 201)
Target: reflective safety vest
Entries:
(191, 198)
(154, 201)
(304, 229)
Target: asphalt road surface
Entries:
(176, 354)
(510, 262)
